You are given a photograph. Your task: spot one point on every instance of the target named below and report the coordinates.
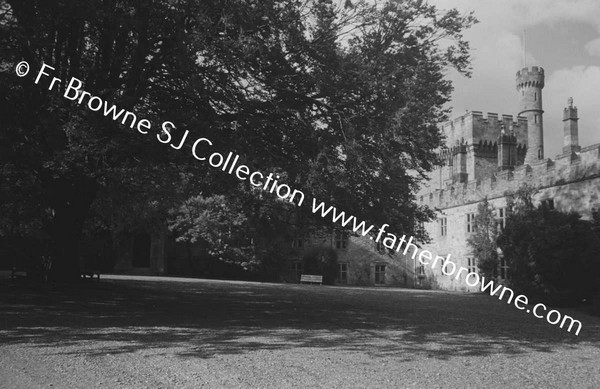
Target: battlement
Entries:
(533, 77)
(566, 168)
(474, 127)
(493, 116)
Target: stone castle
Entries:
(489, 155)
(484, 157)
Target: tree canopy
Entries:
(341, 98)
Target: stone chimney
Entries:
(571, 129)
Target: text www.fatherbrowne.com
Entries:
(472, 279)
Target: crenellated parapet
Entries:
(486, 149)
(565, 169)
(474, 127)
(530, 78)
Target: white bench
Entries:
(311, 278)
(90, 274)
(18, 273)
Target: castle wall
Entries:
(572, 181)
(479, 134)
(473, 127)
(485, 160)
(564, 169)
(361, 257)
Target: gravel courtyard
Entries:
(142, 332)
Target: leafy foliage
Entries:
(342, 99)
(551, 254)
(216, 221)
(483, 240)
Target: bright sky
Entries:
(562, 36)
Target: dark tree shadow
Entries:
(201, 319)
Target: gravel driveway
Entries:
(145, 332)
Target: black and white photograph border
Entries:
(299, 193)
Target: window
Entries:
(471, 265)
(535, 96)
(443, 226)
(341, 239)
(421, 270)
(442, 263)
(342, 277)
(420, 227)
(548, 203)
(298, 243)
(471, 226)
(379, 247)
(535, 119)
(539, 153)
(501, 219)
(503, 268)
(379, 274)
(296, 270)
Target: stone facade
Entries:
(361, 261)
(487, 156)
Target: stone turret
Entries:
(530, 83)
(571, 140)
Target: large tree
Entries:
(342, 99)
(348, 100)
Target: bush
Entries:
(553, 256)
(321, 261)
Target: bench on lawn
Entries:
(18, 273)
(311, 278)
(90, 274)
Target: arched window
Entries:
(539, 153)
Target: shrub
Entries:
(553, 256)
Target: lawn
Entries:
(143, 332)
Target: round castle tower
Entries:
(530, 83)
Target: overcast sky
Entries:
(562, 36)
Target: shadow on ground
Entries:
(202, 319)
